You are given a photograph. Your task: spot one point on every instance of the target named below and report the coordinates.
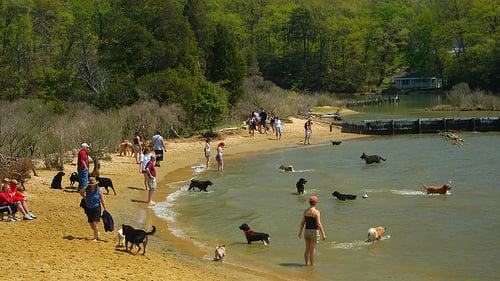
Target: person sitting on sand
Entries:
(19, 199)
(6, 200)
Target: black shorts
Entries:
(159, 155)
(93, 215)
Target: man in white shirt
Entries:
(158, 147)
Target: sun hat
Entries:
(92, 181)
(313, 199)
(85, 145)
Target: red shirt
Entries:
(5, 199)
(151, 167)
(83, 158)
(14, 193)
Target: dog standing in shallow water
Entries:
(201, 185)
(136, 237)
(343, 197)
(437, 189)
(375, 233)
(286, 168)
(300, 185)
(56, 181)
(254, 236)
(372, 158)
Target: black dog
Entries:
(56, 181)
(254, 236)
(106, 183)
(372, 158)
(201, 185)
(300, 185)
(335, 142)
(136, 237)
(73, 178)
(343, 197)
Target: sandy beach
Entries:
(58, 245)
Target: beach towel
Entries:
(107, 220)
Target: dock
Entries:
(421, 125)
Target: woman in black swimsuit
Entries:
(312, 221)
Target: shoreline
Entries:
(56, 246)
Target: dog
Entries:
(343, 197)
(372, 158)
(56, 181)
(73, 178)
(201, 185)
(106, 183)
(254, 236)
(125, 148)
(287, 168)
(120, 236)
(220, 253)
(300, 185)
(437, 189)
(375, 233)
(335, 142)
(136, 237)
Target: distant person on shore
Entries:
(312, 222)
(218, 157)
(136, 147)
(145, 158)
(158, 147)
(207, 150)
(151, 174)
(308, 131)
(271, 122)
(94, 200)
(263, 120)
(83, 166)
(277, 126)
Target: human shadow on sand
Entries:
(135, 188)
(291, 264)
(138, 201)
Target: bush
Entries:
(464, 98)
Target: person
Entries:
(206, 150)
(92, 195)
(218, 157)
(312, 222)
(308, 131)
(271, 122)
(6, 201)
(158, 147)
(18, 199)
(263, 119)
(136, 147)
(277, 125)
(145, 158)
(151, 174)
(83, 166)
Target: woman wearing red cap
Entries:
(312, 222)
(218, 157)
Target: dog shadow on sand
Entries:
(71, 238)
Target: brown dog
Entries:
(437, 189)
(125, 148)
(375, 233)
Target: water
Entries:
(444, 237)
(413, 106)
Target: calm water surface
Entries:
(447, 237)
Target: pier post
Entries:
(392, 125)
(444, 124)
(473, 124)
(419, 126)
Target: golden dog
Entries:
(125, 148)
(437, 189)
(375, 233)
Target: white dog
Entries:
(120, 237)
(375, 233)
(220, 253)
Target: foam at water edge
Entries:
(199, 169)
(358, 244)
(164, 209)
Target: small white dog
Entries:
(120, 237)
(220, 253)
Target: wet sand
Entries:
(58, 245)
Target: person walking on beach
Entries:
(158, 147)
(151, 174)
(145, 158)
(136, 147)
(218, 157)
(83, 166)
(312, 222)
(277, 126)
(207, 151)
(92, 195)
(308, 131)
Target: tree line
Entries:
(197, 53)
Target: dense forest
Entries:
(197, 53)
